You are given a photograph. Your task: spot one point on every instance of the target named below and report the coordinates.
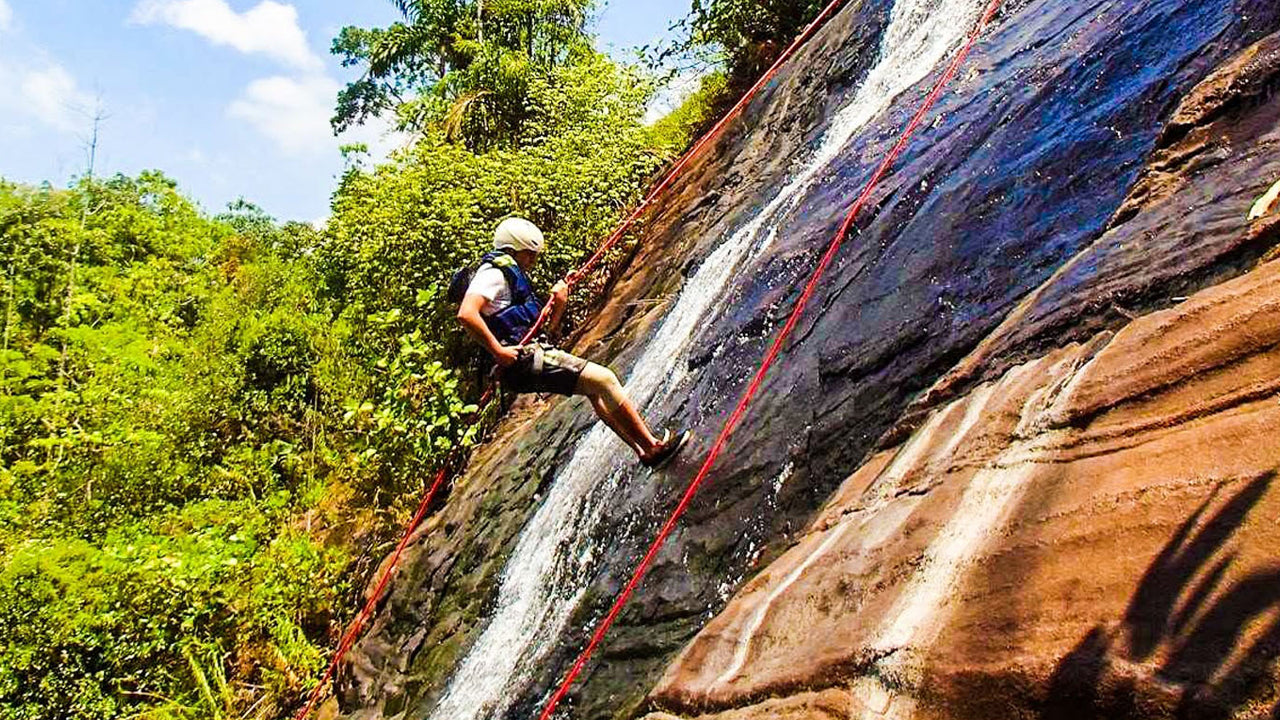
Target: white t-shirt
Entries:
(491, 283)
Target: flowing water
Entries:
(547, 573)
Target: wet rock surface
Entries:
(1184, 226)
(1087, 535)
(1091, 535)
(983, 287)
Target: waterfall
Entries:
(546, 575)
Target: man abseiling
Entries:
(498, 309)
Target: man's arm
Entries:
(559, 301)
(469, 316)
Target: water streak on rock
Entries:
(545, 577)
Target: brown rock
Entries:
(1092, 532)
(830, 704)
(1248, 77)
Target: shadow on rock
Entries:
(1192, 644)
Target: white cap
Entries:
(517, 234)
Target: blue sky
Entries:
(229, 97)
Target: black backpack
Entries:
(459, 283)
(462, 277)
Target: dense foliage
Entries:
(463, 66)
(190, 460)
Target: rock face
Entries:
(1088, 534)
(1005, 468)
(1093, 531)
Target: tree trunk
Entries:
(74, 260)
(12, 277)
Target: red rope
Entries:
(738, 412)
(705, 140)
(357, 626)
(353, 632)
(574, 277)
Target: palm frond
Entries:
(410, 9)
(457, 114)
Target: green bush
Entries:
(155, 611)
(171, 389)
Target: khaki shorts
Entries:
(542, 369)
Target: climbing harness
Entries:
(774, 350)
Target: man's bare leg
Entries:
(601, 385)
(606, 416)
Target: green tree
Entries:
(741, 38)
(158, 490)
(463, 65)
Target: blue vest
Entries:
(512, 323)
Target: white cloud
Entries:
(35, 89)
(293, 109)
(47, 93)
(54, 97)
(269, 28)
(294, 112)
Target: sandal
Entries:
(667, 449)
